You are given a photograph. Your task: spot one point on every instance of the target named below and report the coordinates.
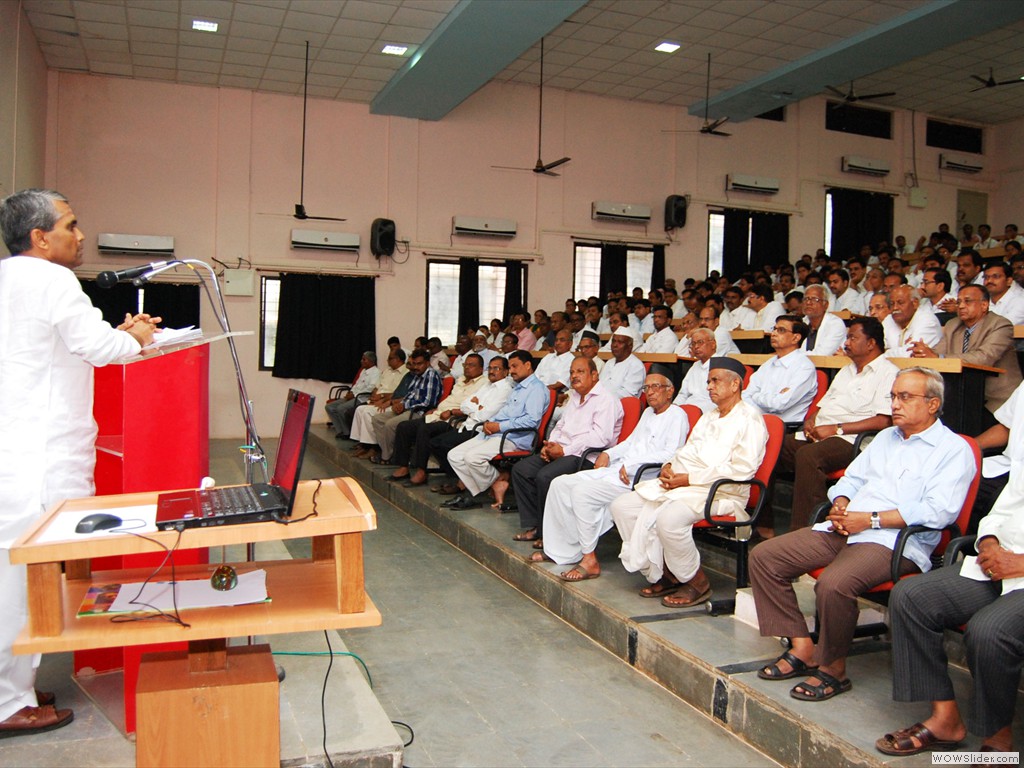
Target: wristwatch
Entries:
(839, 430)
(876, 521)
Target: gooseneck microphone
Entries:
(110, 278)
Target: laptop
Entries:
(256, 503)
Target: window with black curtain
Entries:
(469, 294)
(658, 267)
(325, 323)
(859, 218)
(177, 305)
(515, 298)
(613, 268)
(735, 243)
(114, 302)
(769, 238)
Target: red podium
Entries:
(154, 435)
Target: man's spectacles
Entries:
(649, 387)
(904, 397)
(780, 329)
(813, 300)
(961, 302)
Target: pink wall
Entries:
(22, 104)
(218, 169)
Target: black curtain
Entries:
(513, 290)
(469, 295)
(735, 238)
(113, 302)
(859, 218)
(177, 305)
(769, 238)
(658, 268)
(324, 324)
(613, 269)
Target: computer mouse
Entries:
(98, 521)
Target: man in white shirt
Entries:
(1006, 298)
(786, 383)
(462, 348)
(687, 324)
(664, 339)
(673, 302)
(846, 297)
(910, 323)
(936, 285)
(340, 411)
(761, 300)
(623, 375)
(644, 323)
(858, 271)
(694, 388)
(576, 512)
(827, 332)
(873, 282)
(553, 368)
(710, 319)
(736, 316)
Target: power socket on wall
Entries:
(239, 282)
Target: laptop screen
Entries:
(298, 412)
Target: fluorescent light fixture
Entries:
(666, 47)
(204, 26)
(395, 50)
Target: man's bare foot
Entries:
(401, 473)
(540, 557)
(1001, 740)
(500, 487)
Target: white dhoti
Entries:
(470, 460)
(17, 673)
(362, 424)
(577, 513)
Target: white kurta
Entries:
(663, 341)
(694, 388)
(831, 335)
(624, 379)
(576, 511)
(656, 525)
(50, 338)
(553, 368)
(923, 326)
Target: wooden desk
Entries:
(325, 592)
(750, 342)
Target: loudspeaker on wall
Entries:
(382, 237)
(675, 212)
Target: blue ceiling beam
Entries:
(477, 40)
(923, 30)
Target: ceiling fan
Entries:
(300, 208)
(991, 82)
(541, 166)
(850, 97)
(710, 127)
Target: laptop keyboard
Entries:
(226, 502)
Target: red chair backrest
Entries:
(776, 431)
(630, 416)
(545, 420)
(359, 373)
(746, 379)
(964, 518)
(693, 414)
(822, 389)
(446, 386)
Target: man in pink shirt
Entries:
(520, 326)
(592, 419)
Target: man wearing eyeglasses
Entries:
(663, 339)
(980, 337)
(590, 345)
(826, 332)
(576, 512)
(909, 323)
(936, 286)
(786, 383)
(914, 473)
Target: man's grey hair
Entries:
(883, 295)
(24, 211)
(934, 385)
(816, 287)
(703, 332)
(371, 356)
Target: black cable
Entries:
(412, 733)
(158, 613)
(323, 698)
(286, 521)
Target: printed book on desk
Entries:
(98, 600)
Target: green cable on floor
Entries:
(328, 653)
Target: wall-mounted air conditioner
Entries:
(761, 185)
(475, 225)
(303, 239)
(135, 245)
(961, 163)
(620, 211)
(865, 165)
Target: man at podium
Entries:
(51, 337)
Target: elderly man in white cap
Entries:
(576, 511)
(694, 389)
(479, 342)
(623, 375)
(656, 520)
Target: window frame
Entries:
(264, 280)
(483, 262)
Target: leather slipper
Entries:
(29, 720)
(823, 691)
(903, 742)
(798, 668)
(530, 535)
(660, 588)
(685, 596)
(584, 574)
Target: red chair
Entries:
(336, 391)
(504, 460)
(446, 386)
(718, 529)
(746, 378)
(822, 389)
(880, 592)
(693, 413)
(631, 411)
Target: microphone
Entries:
(109, 279)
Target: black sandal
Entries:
(826, 689)
(799, 668)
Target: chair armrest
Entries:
(862, 441)
(818, 514)
(793, 426)
(336, 391)
(710, 502)
(517, 431)
(455, 421)
(588, 452)
(643, 470)
(901, 544)
(961, 545)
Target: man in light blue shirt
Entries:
(523, 410)
(917, 472)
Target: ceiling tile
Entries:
(155, 73)
(419, 18)
(59, 7)
(231, 81)
(153, 35)
(197, 52)
(249, 46)
(399, 33)
(245, 57)
(308, 21)
(204, 39)
(361, 10)
(241, 70)
(343, 57)
(111, 68)
(300, 36)
(253, 31)
(198, 78)
(317, 7)
(162, 62)
(283, 75)
(115, 57)
(98, 44)
(103, 29)
(211, 10)
(257, 14)
(345, 43)
(87, 11)
(53, 23)
(356, 28)
(144, 17)
(198, 65)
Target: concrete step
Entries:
(708, 661)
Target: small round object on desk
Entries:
(224, 578)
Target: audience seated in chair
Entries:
(787, 382)
(340, 411)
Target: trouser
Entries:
(531, 478)
(384, 426)
(811, 463)
(576, 514)
(850, 571)
(922, 607)
(412, 442)
(340, 413)
(17, 673)
(669, 540)
(441, 444)
(471, 462)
